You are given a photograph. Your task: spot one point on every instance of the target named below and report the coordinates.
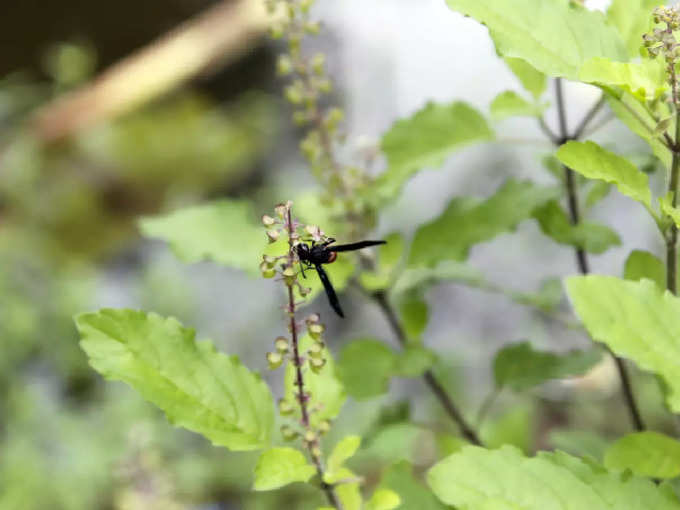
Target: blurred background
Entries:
(112, 111)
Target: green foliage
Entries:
(510, 104)
(475, 222)
(342, 452)
(532, 80)
(637, 320)
(383, 499)
(555, 37)
(327, 394)
(424, 141)
(278, 467)
(514, 427)
(197, 387)
(645, 454)
(591, 237)
(642, 264)
(594, 162)
(632, 18)
(644, 80)
(226, 232)
(400, 478)
(506, 479)
(521, 367)
(365, 366)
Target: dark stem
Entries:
(430, 379)
(299, 381)
(582, 258)
(672, 236)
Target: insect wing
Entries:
(330, 291)
(354, 246)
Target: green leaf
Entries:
(666, 206)
(466, 222)
(645, 80)
(598, 190)
(579, 442)
(327, 393)
(645, 454)
(591, 237)
(278, 467)
(197, 387)
(399, 441)
(414, 361)
(365, 367)
(424, 141)
(514, 427)
(520, 367)
(414, 316)
(225, 232)
(632, 18)
(510, 104)
(547, 299)
(383, 499)
(553, 36)
(506, 479)
(414, 495)
(594, 162)
(642, 264)
(637, 320)
(635, 115)
(349, 493)
(389, 257)
(345, 449)
(532, 80)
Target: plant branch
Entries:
(430, 379)
(580, 129)
(582, 259)
(672, 236)
(301, 397)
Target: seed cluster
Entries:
(662, 41)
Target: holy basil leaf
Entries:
(466, 222)
(225, 231)
(197, 387)
(521, 367)
(553, 36)
(424, 141)
(506, 479)
(645, 80)
(591, 237)
(279, 467)
(401, 478)
(383, 499)
(510, 104)
(365, 367)
(637, 320)
(645, 454)
(632, 18)
(642, 264)
(344, 450)
(532, 80)
(594, 162)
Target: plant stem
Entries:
(672, 237)
(581, 256)
(312, 446)
(430, 379)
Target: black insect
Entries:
(314, 255)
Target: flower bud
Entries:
(284, 65)
(316, 330)
(288, 433)
(268, 221)
(281, 344)
(313, 319)
(281, 210)
(316, 350)
(310, 436)
(274, 359)
(285, 407)
(313, 27)
(316, 364)
(318, 62)
(289, 275)
(273, 235)
(304, 291)
(267, 270)
(324, 426)
(316, 451)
